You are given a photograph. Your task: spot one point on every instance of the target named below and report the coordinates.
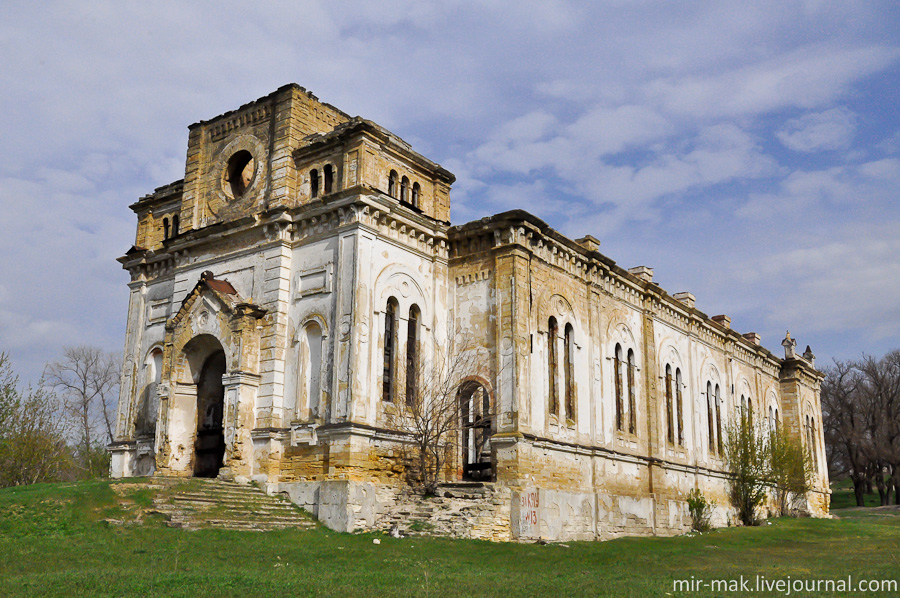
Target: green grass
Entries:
(54, 542)
(842, 496)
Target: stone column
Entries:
(238, 419)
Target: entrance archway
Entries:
(209, 447)
(475, 408)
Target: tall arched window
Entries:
(771, 420)
(720, 442)
(552, 368)
(412, 354)
(710, 414)
(329, 178)
(670, 423)
(569, 370)
(165, 228)
(314, 183)
(812, 443)
(311, 369)
(776, 421)
(632, 403)
(475, 409)
(175, 223)
(392, 183)
(404, 190)
(749, 411)
(390, 347)
(679, 406)
(617, 364)
(743, 409)
(415, 195)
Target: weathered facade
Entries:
(281, 292)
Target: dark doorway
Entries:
(475, 407)
(209, 448)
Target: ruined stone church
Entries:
(284, 290)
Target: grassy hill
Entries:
(55, 540)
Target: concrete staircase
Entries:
(206, 503)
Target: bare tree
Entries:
(86, 379)
(861, 421)
(844, 421)
(429, 411)
(882, 397)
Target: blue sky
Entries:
(749, 152)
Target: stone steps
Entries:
(202, 504)
(462, 510)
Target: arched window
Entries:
(415, 195)
(404, 190)
(390, 347)
(776, 421)
(311, 369)
(670, 423)
(811, 441)
(392, 183)
(314, 183)
(328, 171)
(175, 222)
(165, 228)
(632, 403)
(720, 442)
(743, 409)
(552, 369)
(475, 409)
(679, 407)
(710, 413)
(617, 361)
(749, 411)
(568, 365)
(412, 354)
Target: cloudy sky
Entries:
(748, 151)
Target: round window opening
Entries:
(240, 171)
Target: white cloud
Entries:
(807, 78)
(829, 130)
(593, 116)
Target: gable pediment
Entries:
(210, 297)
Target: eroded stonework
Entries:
(306, 259)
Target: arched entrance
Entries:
(475, 408)
(209, 447)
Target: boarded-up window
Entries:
(390, 343)
(710, 412)
(552, 367)
(618, 379)
(679, 404)
(632, 402)
(670, 420)
(569, 365)
(412, 354)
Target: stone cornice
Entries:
(171, 192)
(358, 206)
(521, 229)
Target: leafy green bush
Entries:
(700, 510)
